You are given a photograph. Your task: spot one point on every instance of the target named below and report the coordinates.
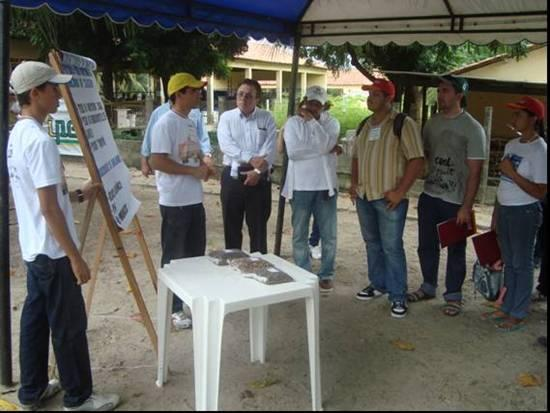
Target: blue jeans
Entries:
(54, 303)
(382, 231)
(517, 228)
(323, 208)
(315, 236)
(432, 211)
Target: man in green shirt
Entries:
(455, 150)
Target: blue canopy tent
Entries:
(292, 22)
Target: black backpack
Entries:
(398, 122)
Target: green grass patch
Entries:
(348, 110)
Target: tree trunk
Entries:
(107, 79)
(412, 104)
(165, 80)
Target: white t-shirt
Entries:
(529, 161)
(34, 163)
(176, 136)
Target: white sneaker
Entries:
(181, 321)
(97, 403)
(53, 388)
(316, 252)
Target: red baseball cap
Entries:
(383, 85)
(535, 106)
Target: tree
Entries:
(122, 48)
(190, 52)
(439, 58)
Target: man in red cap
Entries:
(456, 148)
(384, 168)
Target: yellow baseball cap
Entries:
(181, 80)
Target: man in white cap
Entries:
(49, 246)
(311, 182)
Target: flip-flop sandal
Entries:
(419, 295)
(492, 315)
(507, 327)
(452, 309)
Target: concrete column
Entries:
(210, 100)
(248, 73)
(303, 84)
(279, 86)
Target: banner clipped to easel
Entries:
(112, 170)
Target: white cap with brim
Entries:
(317, 93)
(28, 75)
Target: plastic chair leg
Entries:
(258, 333)
(208, 318)
(312, 312)
(164, 305)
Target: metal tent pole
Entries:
(5, 303)
(291, 110)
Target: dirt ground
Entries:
(459, 363)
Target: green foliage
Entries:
(416, 57)
(164, 52)
(119, 49)
(348, 110)
(135, 134)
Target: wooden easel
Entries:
(109, 224)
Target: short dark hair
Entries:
(182, 90)
(24, 99)
(252, 83)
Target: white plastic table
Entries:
(212, 291)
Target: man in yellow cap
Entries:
(176, 157)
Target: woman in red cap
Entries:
(518, 213)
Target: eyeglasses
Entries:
(247, 96)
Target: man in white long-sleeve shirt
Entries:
(247, 138)
(312, 183)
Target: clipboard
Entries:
(487, 248)
(450, 232)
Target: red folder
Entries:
(487, 248)
(451, 233)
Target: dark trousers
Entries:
(432, 211)
(54, 303)
(183, 235)
(239, 200)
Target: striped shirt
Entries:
(383, 157)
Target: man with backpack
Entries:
(388, 157)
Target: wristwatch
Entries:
(257, 171)
(79, 195)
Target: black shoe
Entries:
(368, 293)
(398, 309)
(542, 341)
